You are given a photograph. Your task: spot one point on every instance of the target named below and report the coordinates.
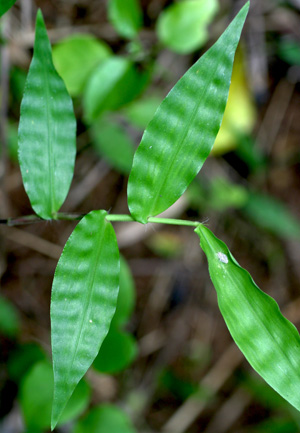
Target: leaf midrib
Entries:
(49, 141)
(90, 286)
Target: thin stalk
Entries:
(29, 219)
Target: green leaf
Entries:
(119, 348)
(104, 419)
(75, 57)
(5, 5)
(113, 143)
(83, 302)
(116, 353)
(36, 394)
(126, 297)
(271, 214)
(22, 359)
(268, 340)
(47, 131)
(182, 27)
(182, 132)
(140, 112)
(125, 16)
(9, 318)
(114, 83)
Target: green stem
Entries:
(123, 218)
(28, 219)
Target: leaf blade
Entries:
(254, 320)
(169, 156)
(47, 131)
(5, 5)
(83, 302)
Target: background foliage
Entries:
(174, 343)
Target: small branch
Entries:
(29, 219)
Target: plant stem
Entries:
(29, 219)
(154, 220)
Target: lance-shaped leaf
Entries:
(182, 132)
(5, 5)
(83, 302)
(268, 340)
(47, 131)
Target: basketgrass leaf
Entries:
(5, 5)
(83, 302)
(125, 16)
(268, 340)
(47, 131)
(182, 132)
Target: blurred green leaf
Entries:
(272, 215)
(22, 359)
(140, 112)
(181, 134)
(165, 244)
(36, 393)
(126, 297)
(113, 143)
(114, 83)
(12, 141)
(125, 16)
(289, 51)
(9, 318)
(250, 153)
(117, 352)
(179, 387)
(17, 83)
(83, 302)
(76, 56)
(270, 343)
(225, 194)
(182, 27)
(105, 419)
(47, 131)
(119, 348)
(5, 5)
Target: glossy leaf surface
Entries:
(114, 83)
(5, 5)
(47, 131)
(104, 419)
(75, 57)
(83, 302)
(182, 132)
(36, 393)
(114, 144)
(182, 27)
(125, 16)
(268, 340)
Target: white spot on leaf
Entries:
(222, 257)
